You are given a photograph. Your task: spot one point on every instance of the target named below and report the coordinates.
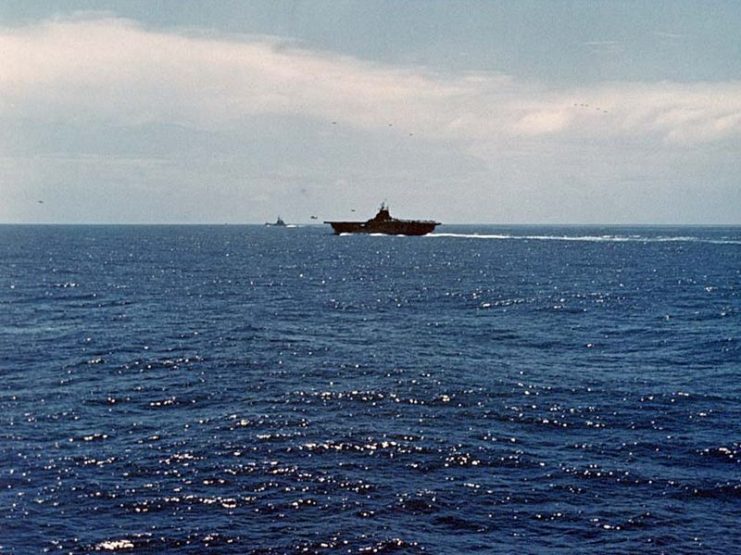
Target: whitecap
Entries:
(114, 545)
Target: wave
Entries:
(591, 238)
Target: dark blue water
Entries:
(244, 389)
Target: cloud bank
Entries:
(104, 69)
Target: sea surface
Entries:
(244, 389)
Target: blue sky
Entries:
(462, 111)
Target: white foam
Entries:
(114, 545)
(590, 238)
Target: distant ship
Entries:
(278, 223)
(384, 223)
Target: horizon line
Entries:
(310, 224)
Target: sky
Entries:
(462, 111)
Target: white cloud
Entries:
(113, 70)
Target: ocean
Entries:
(485, 389)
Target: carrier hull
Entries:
(384, 224)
